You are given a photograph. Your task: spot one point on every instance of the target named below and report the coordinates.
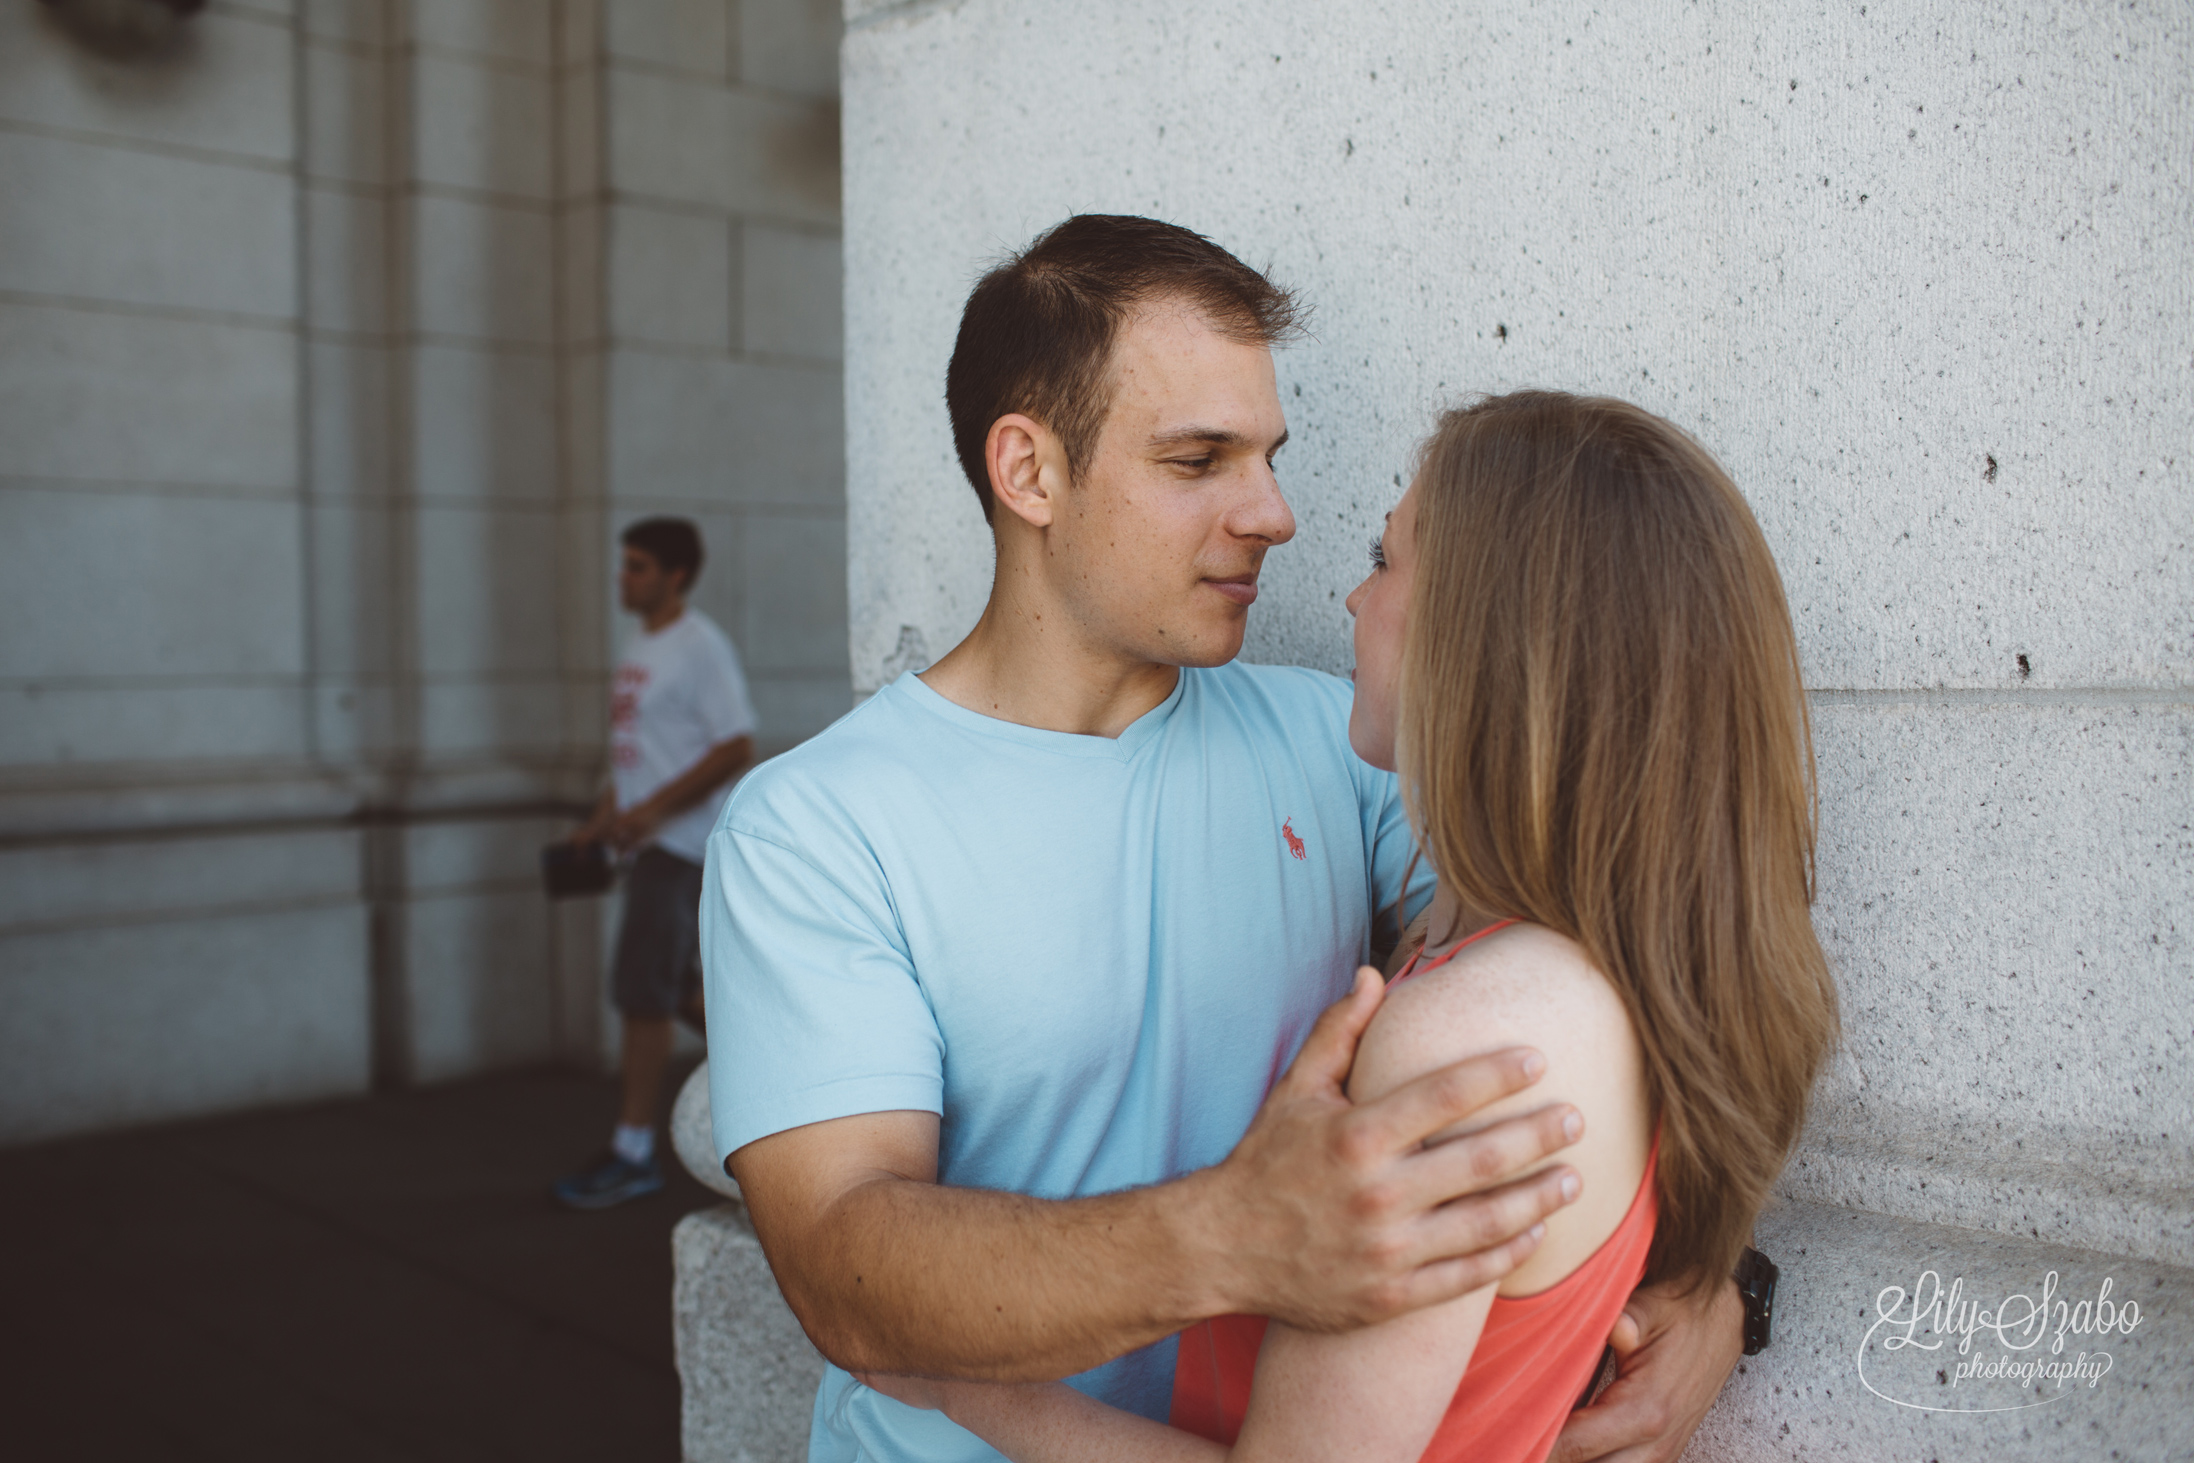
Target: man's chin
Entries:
(1209, 650)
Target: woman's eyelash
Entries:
(1378, 554)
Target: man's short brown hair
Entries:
(1038, 331)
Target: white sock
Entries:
(633, 1144)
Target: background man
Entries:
(1003, 963)
(681, 729)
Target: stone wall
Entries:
(334, 348)
(1917, 277)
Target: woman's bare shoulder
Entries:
(1528, 986)
(1522, 986)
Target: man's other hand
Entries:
(1673, 1352)
(1335, 1215)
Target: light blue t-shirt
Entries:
(1090, 956)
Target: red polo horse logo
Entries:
(1294, 844)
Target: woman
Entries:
(1573, 645)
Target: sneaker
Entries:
(611, 1181)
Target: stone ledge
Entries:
(749, 1373)
(693, 1136)
(745, 1368)
(1804, 1398)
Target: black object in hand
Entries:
(573, 870)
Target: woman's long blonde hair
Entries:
(1603, 732)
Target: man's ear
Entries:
(1027, 468)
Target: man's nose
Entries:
(1265, 515)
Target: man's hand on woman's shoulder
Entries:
(1331, 1215)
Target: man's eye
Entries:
(1378, 554)
(1195, 464)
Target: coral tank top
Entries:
(1531, 1366)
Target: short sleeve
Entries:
(721, 702)
(814, 1011)
(1393, 846)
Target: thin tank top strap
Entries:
(1418, 965)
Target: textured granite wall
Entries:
(1919, 275)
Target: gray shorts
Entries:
(658, 968)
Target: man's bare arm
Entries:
(715, 767)
(596, 828)
(1327, 1215)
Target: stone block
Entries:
(360, 22)
(136, 1023)
(481, 982)
(670, 278)
(513, 716)
(353, 718)
(349, 402)
(478, 855)
(346, 270)
(1821, 280)
(580, 117)
(783, 155)
(666, 138)
(135, 228)
(747, 1370)
(504, 30)
(351, 584)
(790, 45)
(481, 128)
(486, 423)
(2002, 895)
(89, 395)
(345, 114)
(483, 271)
(683, 35)
(50, 886)
(44, 724)
(582, 252)
(678, 140)
(1835, 1385)
(487, 591)
(106, 584)
(792, 286)
(728, 431)
(795, 593)
(229, 91)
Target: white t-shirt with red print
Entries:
(678, 692)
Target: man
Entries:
(681, 729)
(1011, 954)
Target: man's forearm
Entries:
(598, 821)
(1328, 1215)
(717, 766)
(926, 1280)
